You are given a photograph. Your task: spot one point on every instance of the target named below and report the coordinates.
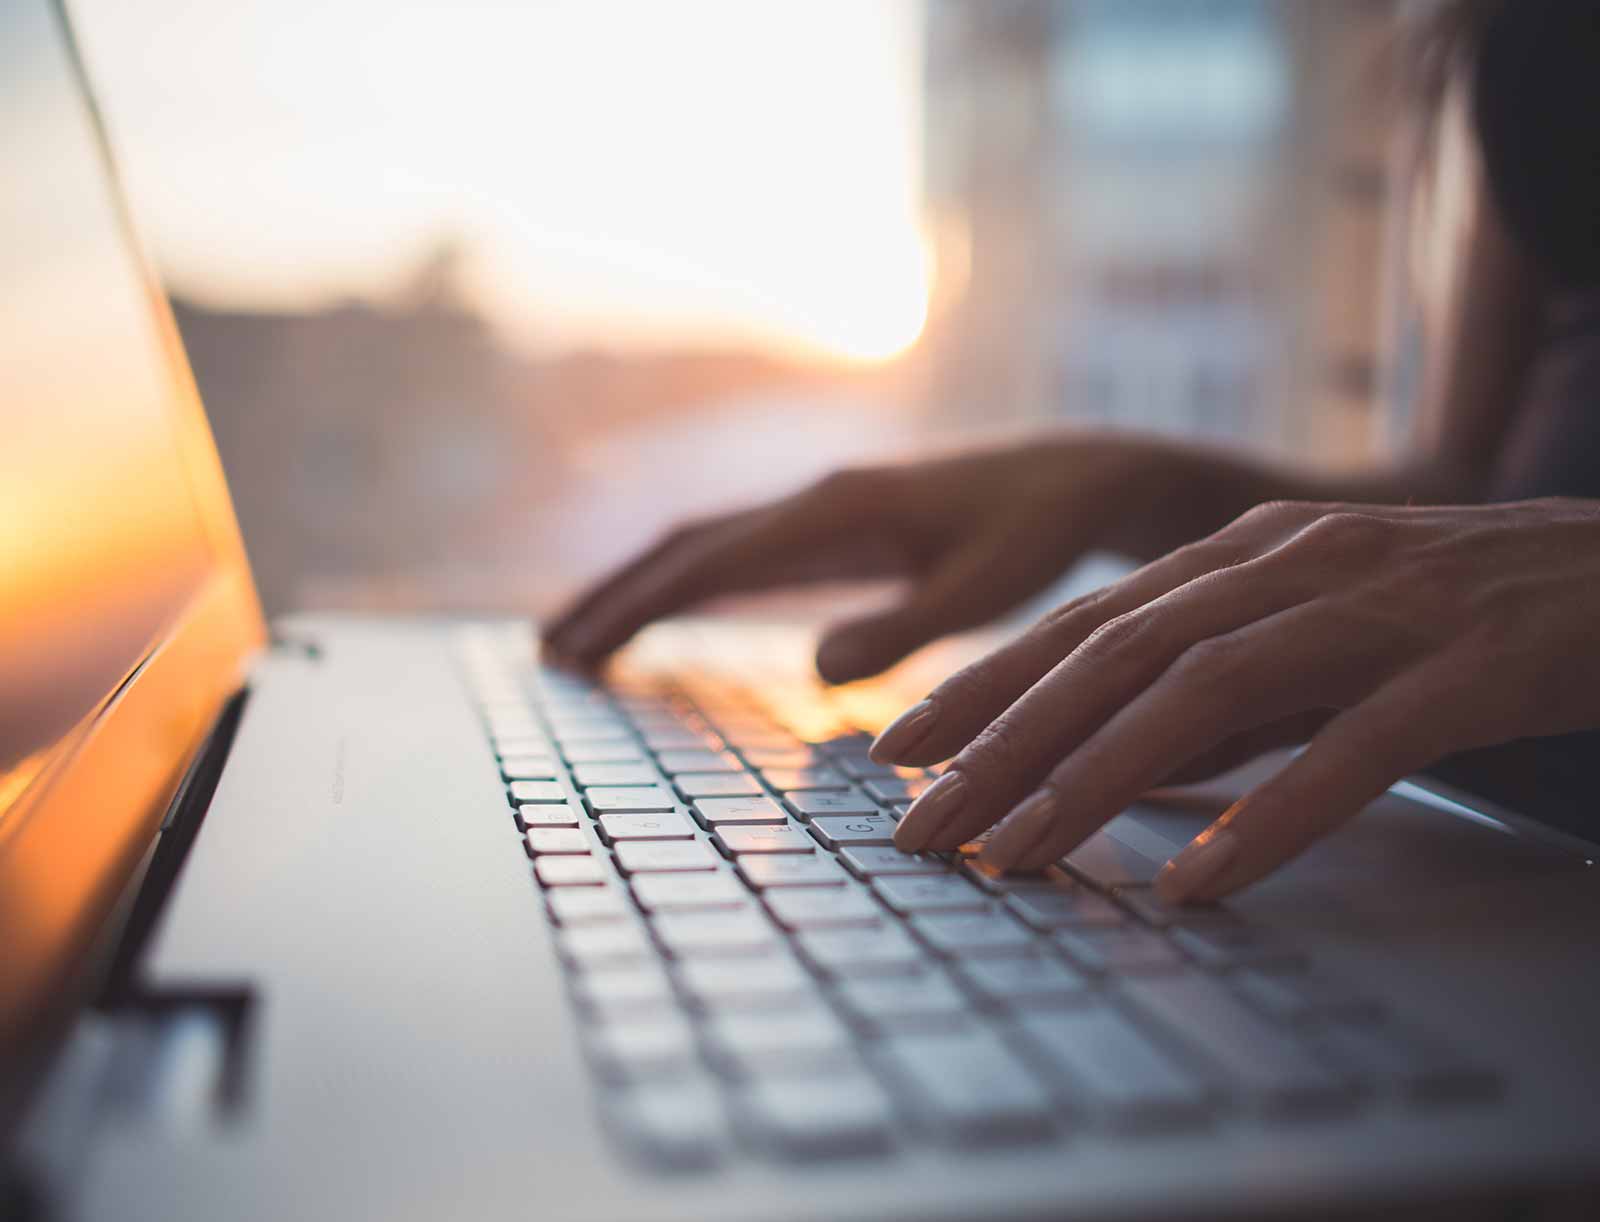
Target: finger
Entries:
(1242, 748)
(1081, 693)
(746, 552)
(1298, 661)
(651, 588)
(979, 581)
(1402, 728)
(959, 708)
(558, 632)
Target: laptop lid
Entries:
(126, 607)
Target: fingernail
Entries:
(1200, 864)
(904, 732)
(930, 813)
(1020, 831)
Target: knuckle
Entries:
(1212, 661)
(1346, 531)
(1118, 637)
(972, 687)
(1222, 670)
(1272, 513)
(999, 753)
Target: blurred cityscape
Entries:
(1155, 214)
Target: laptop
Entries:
(357, 917)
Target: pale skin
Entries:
(1380, 618)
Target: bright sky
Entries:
(629, 173)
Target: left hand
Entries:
(1386, 637)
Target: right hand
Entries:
(975, 534)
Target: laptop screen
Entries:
(102, 538)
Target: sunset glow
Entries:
(618, 174)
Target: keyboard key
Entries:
(514, 725)
(843, 1116)
(782, 757)
(604, 753)
(514, 745)
(1023, 981)
(648, 1046)
(591, 734)
(588, 776)
(687, 934)
(624, 992)
(969, 1087)
(1251, 1053)
(529, 768)
(1386, 1054)
(1119, 950)
(829, 802)
(822, 907)
(537, 791)
(889, 862)
(764, 980)
(890, 1003)
(1154, 911)
(1064, 907)
(989, 878)
(890, 790)
(1295, 997)
(674, 762)
(861, 952)
(835, 832)
(930, 893)
(663, 825)
(642, 799)
(763, 872)
(664, 856)
(1112, 1070)
(799, 779)
(694, 785)
(862, 768)
(680, 738)
(590, 946)
(798, 1040)
(1236, 945)
(853, 742)
(688, 892)
(542, 840)
(762, 838)
(570, 871)
(982, 933)
(712, 813)
(680, 1125)
(535, 815)
(587, 905)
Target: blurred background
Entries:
(481, 296)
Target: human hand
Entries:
(1387, 637)
(975, 534)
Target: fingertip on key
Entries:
(904, 733)
(1021, 831)
(931, 813)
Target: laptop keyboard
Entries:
(756, 968)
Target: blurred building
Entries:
(398, 452)
(1160, 214)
